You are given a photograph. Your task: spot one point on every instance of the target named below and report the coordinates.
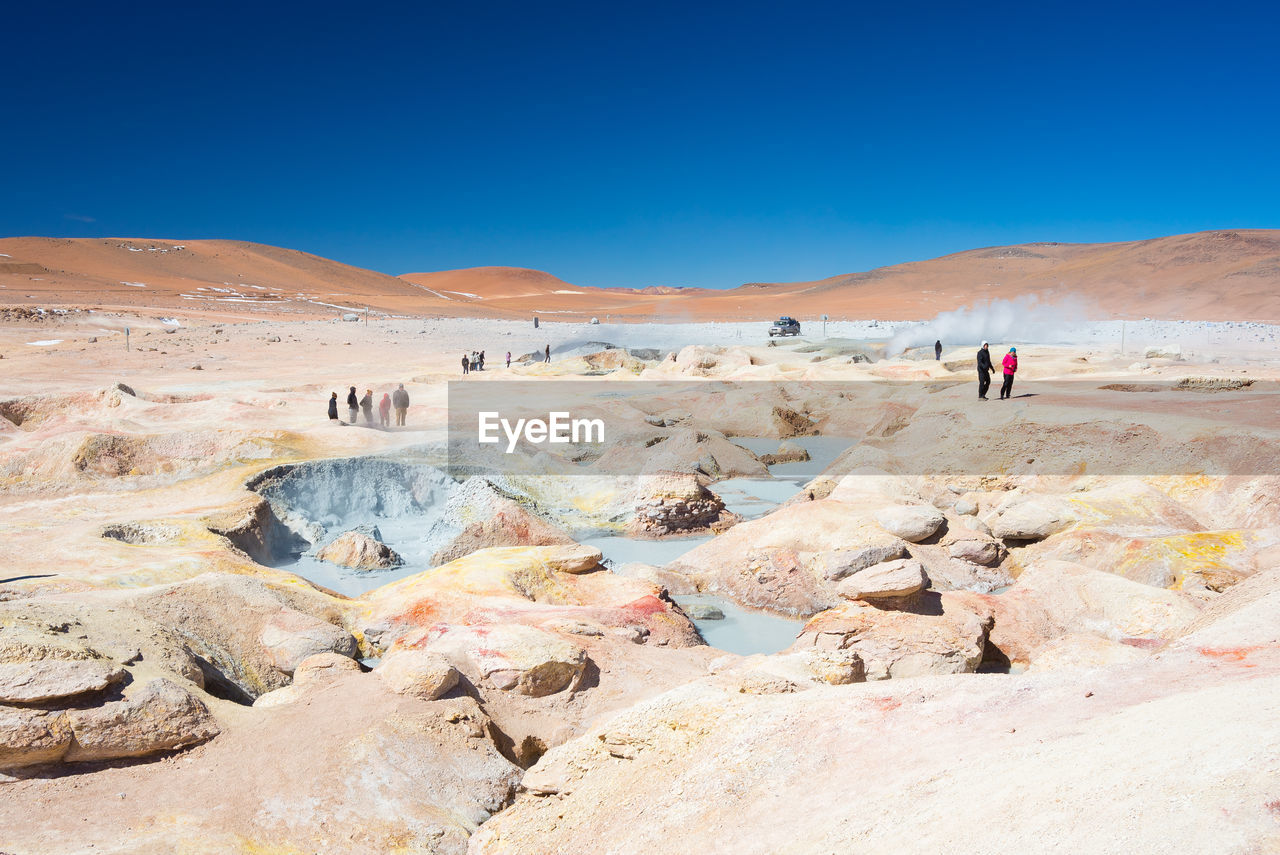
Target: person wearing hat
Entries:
(1010, 363)
(984, 372)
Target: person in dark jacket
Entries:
(400, 400)
(366, 404)
(466, 364)
(508, 359)
(937, 349)
(353, 404)
(481, 362)
(984, 372)
(333, 407)
(548, 359)
(1010, 365)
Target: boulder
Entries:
(788, 561)
(956, 574)
(30, 737)
(899, 578)
(985, 552)
(942, 634)
(421, 673)
(54, 679)
(322, 668)
(842, 563)
(359, 551)
(965, 507)
(312, 673)
(1031, 520)
(912, 523)
(703, 611)
(290, 636)
(157, 716)
(514, 658)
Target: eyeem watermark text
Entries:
(558, 428)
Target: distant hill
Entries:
(1224, 275)
(215, 276)
(1220, 275)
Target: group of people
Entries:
(985, 369)
(474, 361)
(397, 400)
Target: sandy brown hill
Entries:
(1222, 275)
(1225, 275)
(202, 276)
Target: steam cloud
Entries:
(1025, 318)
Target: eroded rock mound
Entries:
(359, 551)
(484, 516)
(64, 701)
(674, 503)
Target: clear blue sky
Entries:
(620, 143)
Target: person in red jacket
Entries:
(384, 410)
(1010, 363)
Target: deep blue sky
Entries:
(619, 143)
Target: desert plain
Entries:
(1051, 623)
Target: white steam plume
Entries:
(1024, 319)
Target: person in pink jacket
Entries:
(1010, 363)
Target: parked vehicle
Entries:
(785, 326)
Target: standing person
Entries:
(984, 372)
(466, 364)
(548, 357)
(937, 349)
(400, 399)
(333, 407)
(353, 404)
(384, 410)
(1010, 365)
(482, 360)
(508, 359)
(366, 404)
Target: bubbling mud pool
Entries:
(313, 503)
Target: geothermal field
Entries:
(801, 594)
